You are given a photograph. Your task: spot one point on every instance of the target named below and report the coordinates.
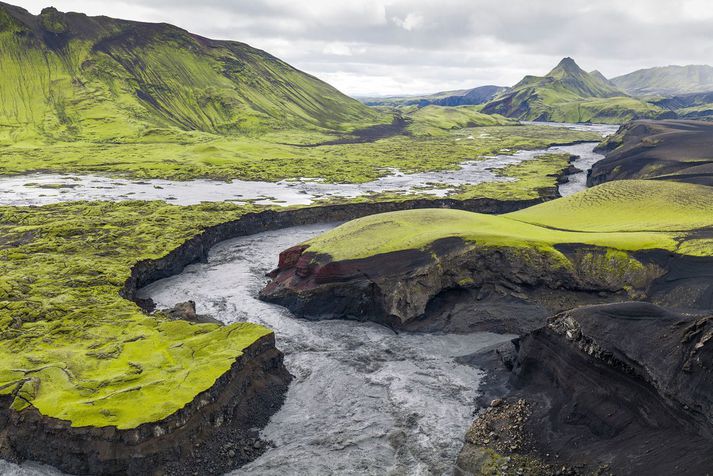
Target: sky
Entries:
(402, 47)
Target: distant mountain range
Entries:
(462, 97)
(70, 76)
(570, 94)
(667, 81)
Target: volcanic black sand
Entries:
(664, 150)
(620, 388)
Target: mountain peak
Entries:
(568, 66)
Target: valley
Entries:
(212, 262)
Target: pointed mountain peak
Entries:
(568, 66)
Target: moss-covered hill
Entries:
(569, 94)
(623, 215)
(67, 76)
(76, 350)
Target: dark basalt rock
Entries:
(455, 286)
(664, 150)
(196, 249)
(241, 399)
(627, 387)
(186, 311)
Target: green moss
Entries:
(618, 215)
(630, 206)
(76, 350)
(438, 120)
(190, 155)
(526, 180)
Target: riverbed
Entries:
(47, 188)
(364, 400)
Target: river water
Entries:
(364, 399)
(43, 188)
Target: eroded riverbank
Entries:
(364, 400)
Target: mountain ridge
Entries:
(459, 97)
(69, 76)
(672, 80)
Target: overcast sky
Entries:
(378, 47)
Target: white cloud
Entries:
(412, 21)
(337, 49)
(417, 46)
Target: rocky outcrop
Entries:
(456, 285)
(186, 311)
(242, 399)
(621, 389)
(661, 150)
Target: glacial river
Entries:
(45, 188)
(364, 399)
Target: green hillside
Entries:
(569, 94)
(623, 215)
(667, 81)
(66, 76)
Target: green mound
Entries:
(71, 346)
(623, 215)
(633, 205)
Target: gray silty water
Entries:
(587, 157)
(364, 400)
(43, 188)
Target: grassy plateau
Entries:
(622, 215)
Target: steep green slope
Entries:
(667, 80)
(439, 120)
(569, 94)
(69, 76)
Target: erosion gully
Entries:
(364, 400)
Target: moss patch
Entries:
(183, 156)
(76, 350)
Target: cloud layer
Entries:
(378, 47)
